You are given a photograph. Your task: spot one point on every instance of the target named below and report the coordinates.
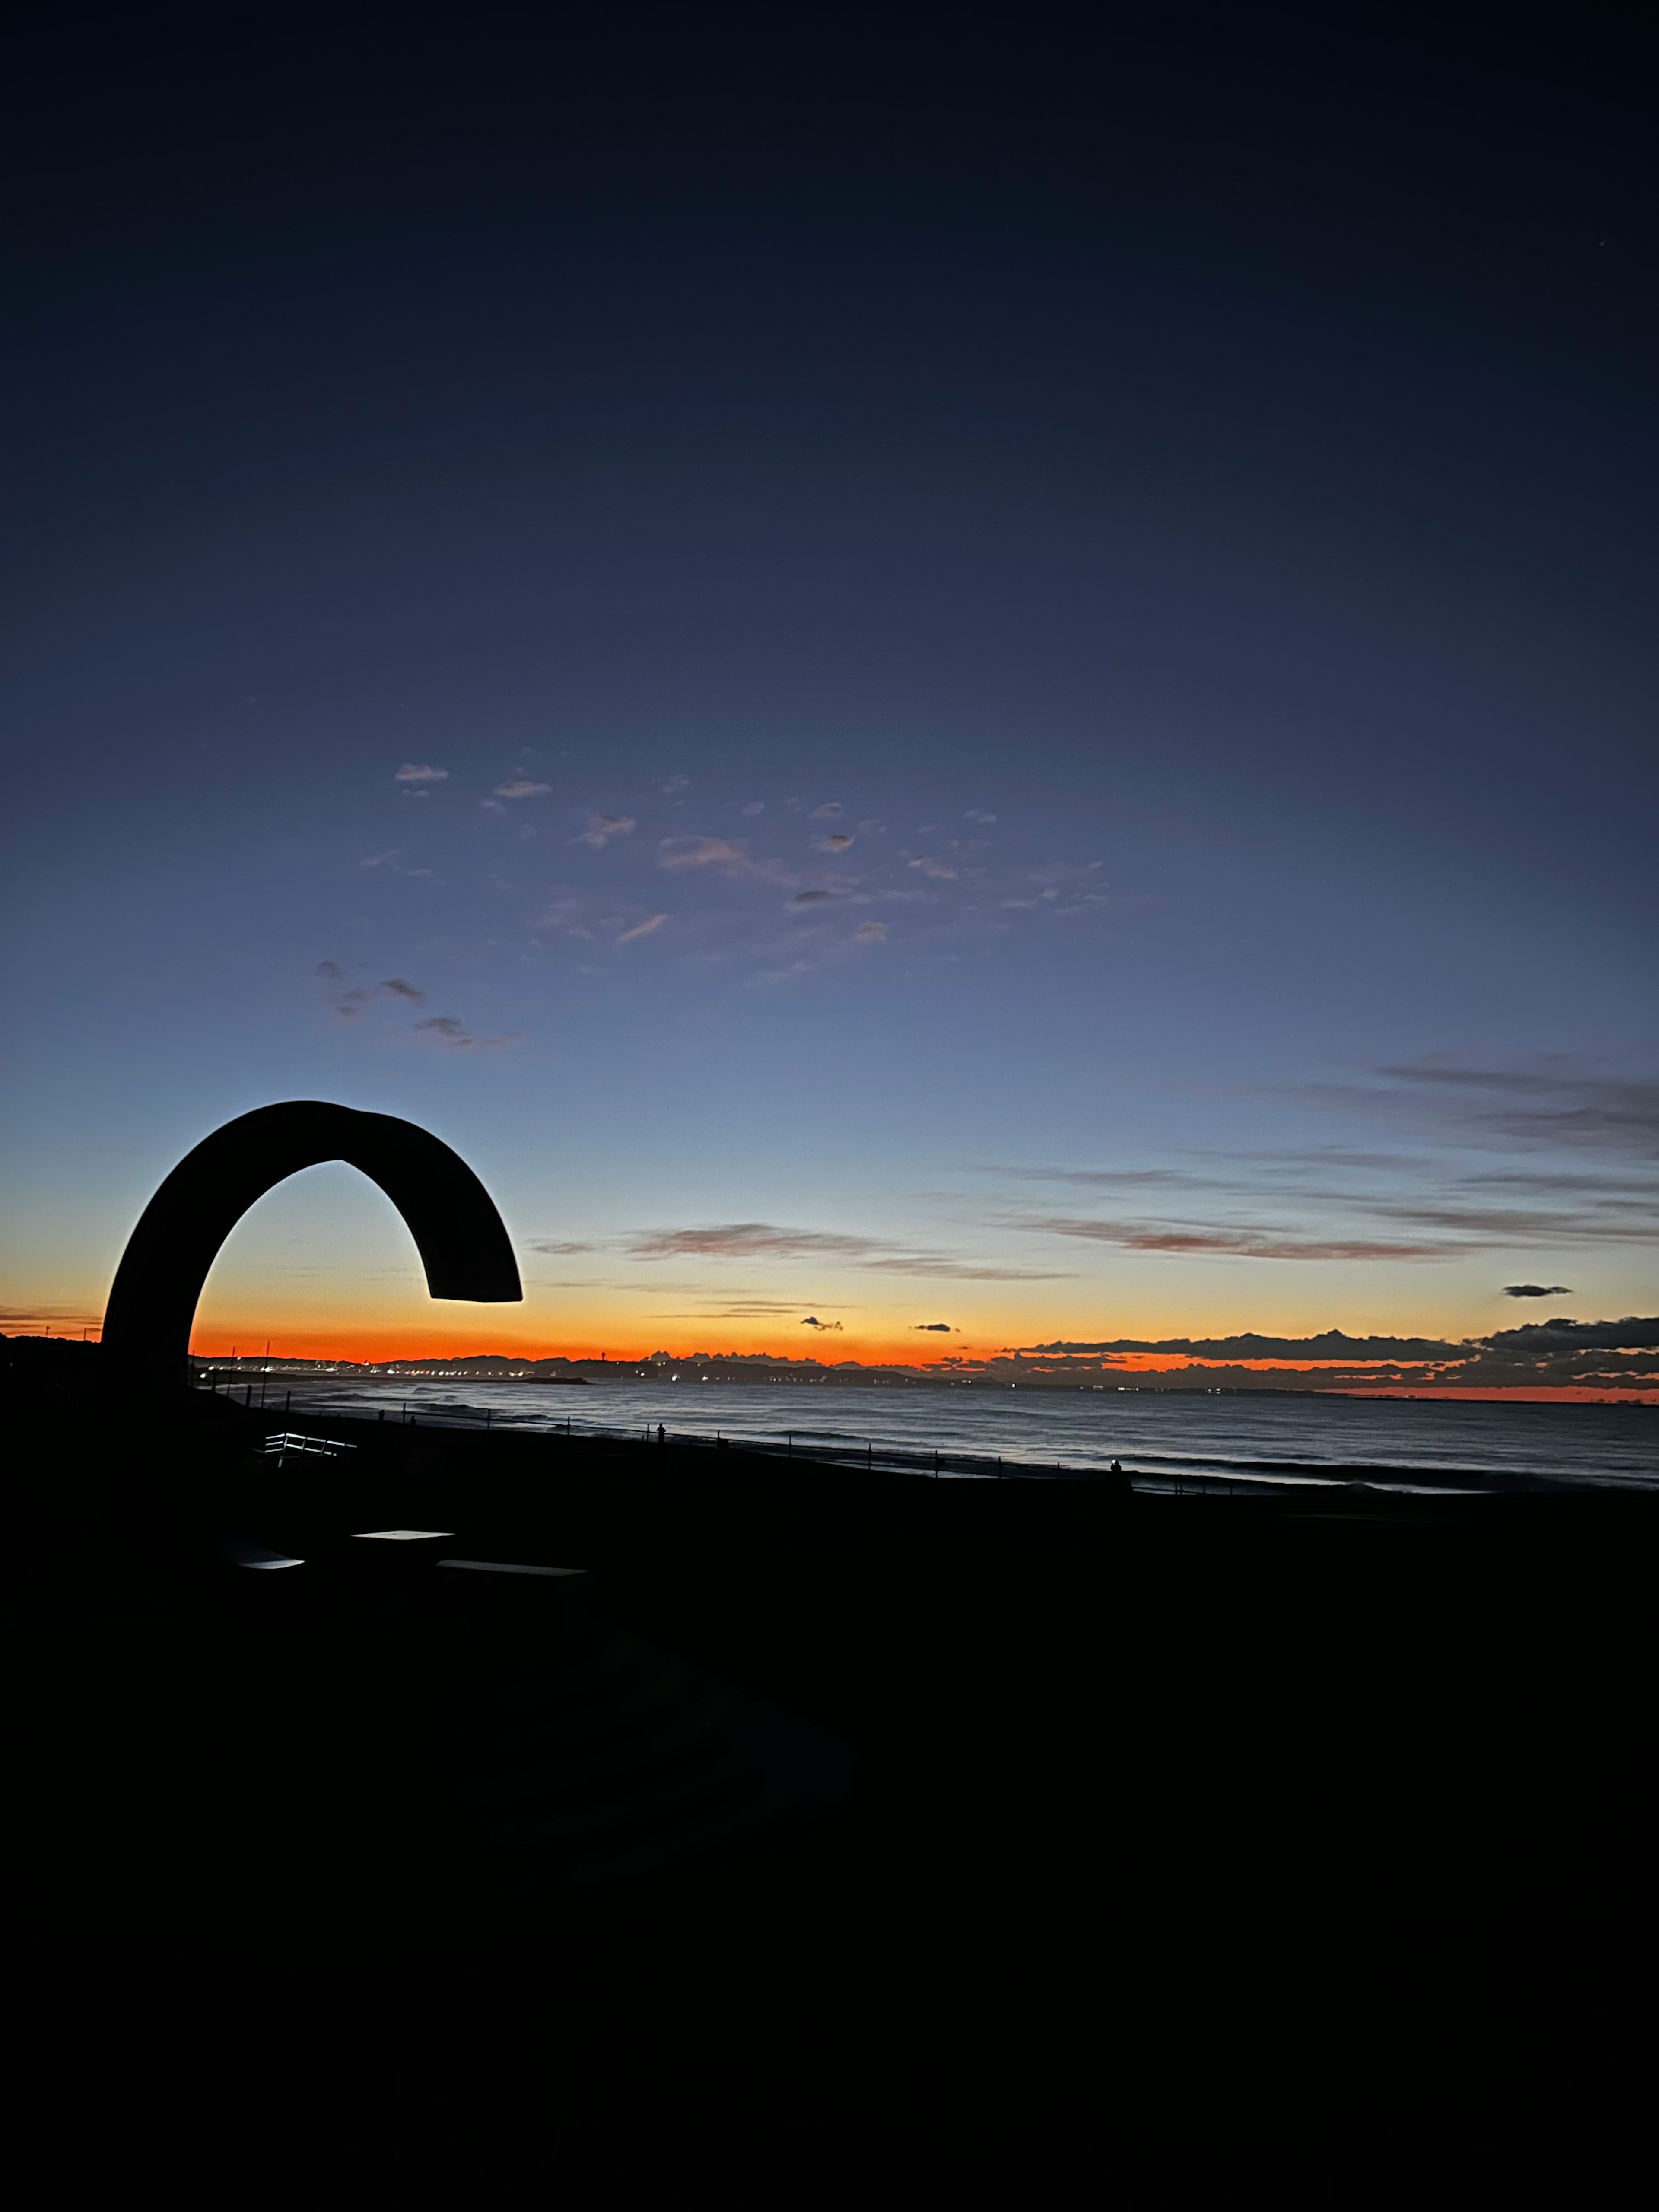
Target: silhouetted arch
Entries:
(462, 1240)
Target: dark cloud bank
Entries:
(1554, 1354)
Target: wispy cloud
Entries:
(811, 1320)
(1537, 1289)
(351, 1005)
(1243, 1244)
(750, 1240)
(938, 869)
(1556, 1104)
(652, 921)
(1333, 1202)
(448, 1030)
(870, 933)
(741, 1309)
(746, 1240)
(420, 772)
(602, 827)
(521, 787)
(730, 854)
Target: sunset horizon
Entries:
(830, 1183)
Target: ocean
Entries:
(1163, 1439)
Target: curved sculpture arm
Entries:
(462, 1240)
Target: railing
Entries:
(319, 1447)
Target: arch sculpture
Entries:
(462, 1240)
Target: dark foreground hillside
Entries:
(831, 1836)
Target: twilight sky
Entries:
(901, 676)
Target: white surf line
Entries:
(508, 1567)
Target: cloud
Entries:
(651, 921)
(934, 1325)
(420, 772)
(549, 1244)
(957, 1270)
(1329, 1344)
(706, 853)
(870, 933)
(1111, 1176)
(676, 784)
(1602, 1355)
(931, 868)
(827, 811)
(519, 787)
(381, 860)
(812, 1321)
(1635, 1332)
(750, 1240)
(978, 814)
(810, 898)
(1537, 1289)
(838, 843)
(1064, 871)
(350, 1004)
(602, 827)
(1239, 1243)
(558, 914)
(1556, 1104)
(446, 1030)
(746, 1240)
(755, 806)
(1344, 1199)
(330, 970)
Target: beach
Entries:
(1165, 1435)
(903, 1807)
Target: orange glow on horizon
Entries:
(368, 1345)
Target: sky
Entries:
(934, 688)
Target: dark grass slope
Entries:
(836, 1835)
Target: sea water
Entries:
(1161, 1437)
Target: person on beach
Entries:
(662, 1434)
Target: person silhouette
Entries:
(1116, 1469)
(662, 1437)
